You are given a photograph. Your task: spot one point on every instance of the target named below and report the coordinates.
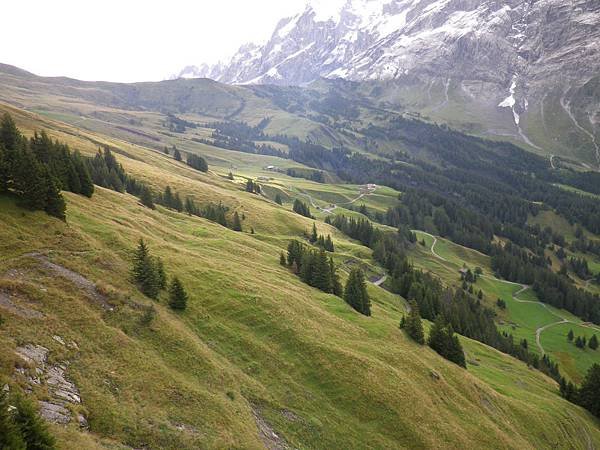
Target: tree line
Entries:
(36, 170)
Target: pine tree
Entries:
(177, 295)
(355, 292)
(85, 179)
(443, 340)
(579, 342)
(313, 236)
(55, 203)
(144, 271)
(237, 224)
(278, 199)
(329, 244)
(10, 434)
(593, 344)
(570, 336)
(413, 324)
(176, 154)
(33, 429)
(589, 392)
(322, 273)
(177, 203)
(336, 285)
(190, 206)
(146, 198)
(161, 275)
(230, 176)
(250, 187)
(30, 182)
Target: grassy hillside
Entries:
(258, 358)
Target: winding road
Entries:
(330, 209)
(515, 296)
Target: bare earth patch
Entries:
(270, 439)
(8, 302)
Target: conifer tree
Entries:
(570, 336)
(336, 285)
(146, 198)
(30, 182)
(282, 259)
(278, 199)
(144, 271)
(177, 203)
(55, 203)
(10, 434)
(329, 244)
(177, 295)
(355, 292)
(176, 154)
(589, 392)
(230, 176)
(593, 344)
(444, 342)
(413, 324)
(237, 224)
(33, 428)
(313, 236)
(190, 207)
(321, 277)
(85, 179)
(161, 275)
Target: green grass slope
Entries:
(257, 352)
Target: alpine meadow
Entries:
(379, 228)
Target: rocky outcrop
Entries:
(63, 394)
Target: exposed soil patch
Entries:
(10, 303)
(270, 439)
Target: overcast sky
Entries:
(131, 40)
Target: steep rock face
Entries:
(514, 58)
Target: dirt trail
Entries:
(87, 286)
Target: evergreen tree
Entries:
(176, 154)
(85, 179)
(282, 259)
(10, 434)
(355, 292)
(593, 344)
(237, 223)
(197, 162)
(589, 392)
(30, 182)
(190, 206)
(278, 199)
(161, 275)
(55, 203)
(177, 203)
(313, 236)
(146, 198)
(230, 176)
(33, 429)
(443, 340)
(144, 271)
(177, 295)
(321, 277)
(570, 336)
(329, 244)
(336, 285)
(413, 324)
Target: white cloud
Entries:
(131, 40)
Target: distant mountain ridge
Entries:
(509, 57)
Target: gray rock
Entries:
(54, 413)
